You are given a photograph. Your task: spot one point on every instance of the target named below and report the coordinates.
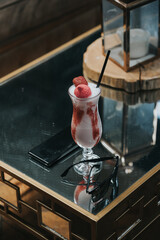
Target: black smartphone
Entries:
(54, 149)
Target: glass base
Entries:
(84, 168)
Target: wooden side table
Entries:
(33, 195)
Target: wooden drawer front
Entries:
(151, 187)
(112, 237)
(157, 192)
(129, 220)
(151, 232)
(38, 213)
(151, 209)
(133, 213)
(121, 220)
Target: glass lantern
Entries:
(131, 30)
(137, 131)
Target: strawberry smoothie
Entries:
(86, 125)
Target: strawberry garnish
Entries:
(82, 91)
(79, 80)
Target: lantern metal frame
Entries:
(126, 6)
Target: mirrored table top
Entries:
(35, 105)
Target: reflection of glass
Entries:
(93, 193)
(86, 128)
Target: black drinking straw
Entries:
(103, 68)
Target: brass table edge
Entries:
(129, 190)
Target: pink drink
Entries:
(86, 127)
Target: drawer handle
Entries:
(129, 219)
(129, 229)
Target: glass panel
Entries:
(8, 194)
(112, 116)
(55, 223)
(141, 132)
(1, 204)
(112, 22)
(137, 126)
(129, 220)
(144, 33)
(7, 177)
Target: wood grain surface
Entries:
(116, 77)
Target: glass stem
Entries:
(87, 153)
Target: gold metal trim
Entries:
(17, 192)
